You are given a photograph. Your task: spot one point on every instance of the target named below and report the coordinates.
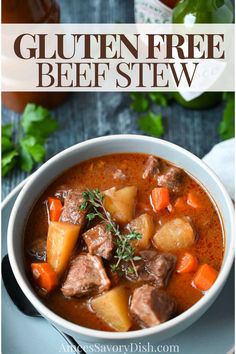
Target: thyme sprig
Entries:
(93, 200)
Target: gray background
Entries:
(87, 115)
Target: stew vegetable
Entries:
(122, 242)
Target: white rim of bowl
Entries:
(46, 312)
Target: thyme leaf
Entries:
(93, 200)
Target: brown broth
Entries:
(98, 173)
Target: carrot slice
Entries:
(180, 203)
(44, 276)
(55, 208)
(187, 263)
(160, 198)
(193, 200)
(205, 277)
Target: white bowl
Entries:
(103, 146)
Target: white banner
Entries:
(118, 57)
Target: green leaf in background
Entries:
(36, 124)
(151, 124)
(34, 147)
(7, 144)
(38, 121)
(43, 129)
(7, 130)
(33, 113)
(226, 127)
(26, 161)
(160, 98)
(9, 160)
(140, 103)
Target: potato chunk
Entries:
(174, 235)
(121, 203)
(112, 308)
(143, 224)
(61, 241)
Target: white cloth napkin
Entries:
(221, 159)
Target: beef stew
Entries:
(122, 242)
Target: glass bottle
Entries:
(202, 11)
(31, 11)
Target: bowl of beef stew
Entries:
(122, 237)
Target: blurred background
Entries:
(86, 115)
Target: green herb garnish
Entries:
(25, 146)
(226, 127)
(160, 98)
(140, 102)
(9, 154)
(151, 123)
(93, 201)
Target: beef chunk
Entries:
(86, 276)
(172, 178)
(151, 306)
(71, 210)
(167, 176)
(153, 267)
(152, 167)
(156, 268)
(99, 241)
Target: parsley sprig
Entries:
(24, 146)
(151, 123)
(93, 200)
(142, 102)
